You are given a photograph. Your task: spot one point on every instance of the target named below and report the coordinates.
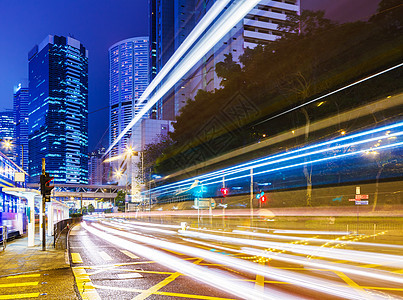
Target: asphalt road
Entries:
(128, 259)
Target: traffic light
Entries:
(224, 191)
(262, 197)
(46, 188)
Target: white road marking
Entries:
(129, 254)
(105, 256)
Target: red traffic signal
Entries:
(263, 198)
(46, 188)
(224, 191)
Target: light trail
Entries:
(336, 241)
(215, 279)
(289, 156)
(128, 226)
(312, 232)
(183, 60)
(333, 92)
(394, 261)
(319, 285)
(321, 264)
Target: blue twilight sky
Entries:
(98, 24)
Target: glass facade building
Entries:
(128, 79)
(58, 110)
(21, 100)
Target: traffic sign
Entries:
(360, 197)
(359, 202)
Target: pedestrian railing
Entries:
(4, 236)
(63, 225)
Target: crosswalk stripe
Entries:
(76, 258)
(105, 256)
(23, 276)
(17, 284)
(20, 296)
(129, 254)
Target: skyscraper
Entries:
(178, 18)
(7, 127)
(58, 109)
(128, 79)
(21, 100)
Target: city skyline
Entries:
(21, 33)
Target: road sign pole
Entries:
(43, 211)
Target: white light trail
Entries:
(185, 59)
(321, 264)
(333, 92)
(308, 282)
(365, 257)
(205, 275)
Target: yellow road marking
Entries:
(382, 288)
(17, 284)
(23, 276)
(76, 258)
(174, 252)
(259, 283)
(158, 286)
(20, 296)
(351, 283)
(129, 254)
(84, 284)
(398, 272)
(105, 256)
(370, 266)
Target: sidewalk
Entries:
(20, 264)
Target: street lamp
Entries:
(7, 144)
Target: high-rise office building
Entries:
(96, 169)
(7, 127)
(176, 19)
(21, 100)
(128, 79)
(58, 110)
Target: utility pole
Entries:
(46, 191)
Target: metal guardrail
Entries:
(4, 236)
(62, 225)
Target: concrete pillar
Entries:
(50, 218)
(31, 220)
(40, 220)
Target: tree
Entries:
(229, 71)
(308, 23)
(90, 208)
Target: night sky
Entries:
(98, 24)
